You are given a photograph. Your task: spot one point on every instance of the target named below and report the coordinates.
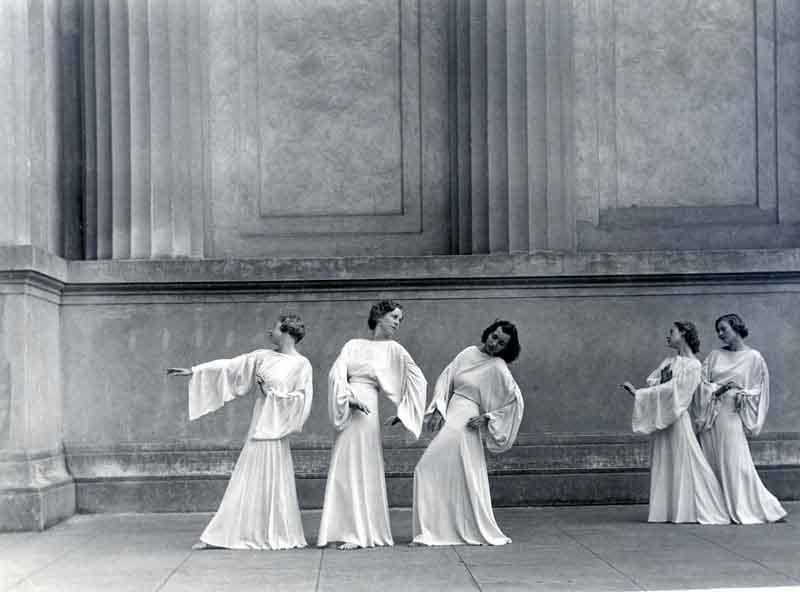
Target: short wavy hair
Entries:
(690, 336)
(736, 323)
(511, 351)
(380, 309)
(293, 325)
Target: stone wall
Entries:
(587, 324)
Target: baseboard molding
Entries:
(580, 469)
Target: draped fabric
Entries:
(723, 423)
(284, 380)
(683, 487)
(660, 404)
(356, 508)
(259, 509)
(391, 368)
(452, 501)
(749, 371)
(487, 381)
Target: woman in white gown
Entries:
(683, 487)
(476, 400)
(356, 510)
(732, 402)
(259, 509)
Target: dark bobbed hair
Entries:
(511, 351)
(736, 323)
(690, 336)
(380, 309)
(293, 325)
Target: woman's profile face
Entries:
(276, 333)
(390, 322)
(674, 337)
(496, 341)
(725, 333)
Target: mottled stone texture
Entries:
(685, 103)
(682, 107)
(329, 108)
(35, 488)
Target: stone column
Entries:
(39, 189)
(145, 120)
(511, 66)
(37, 186)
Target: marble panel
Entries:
(685, 102)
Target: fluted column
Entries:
(36, 183)
(146, 106)
(511, 70)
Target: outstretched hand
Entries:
(630, 388)
(179, 372)
(391, 420)
(479, 421)
(359, 406)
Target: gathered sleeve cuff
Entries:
(215, 383)
(284, 413)
(657, 407)
(339, 393)
(753, 402)
(405, 385)
(705, 406)
(501, 430)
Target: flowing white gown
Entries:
(356, 508)
(723, 423)
(259, 509)
(683, 487)
(452, 501)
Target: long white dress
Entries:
(683, 487)
(259, 509)
(723, 423)
(356, 508)
(452, 502)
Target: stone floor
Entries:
(568, 548)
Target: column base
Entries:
(36, 490)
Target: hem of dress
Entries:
(756, 522)
(254, 547)
(696, 521)
(462, 543)
(321, 545)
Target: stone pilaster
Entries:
(36, 490)
(145, 122)
(511, 67)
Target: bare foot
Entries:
(200, 546)
(414, 544)
(348, 546)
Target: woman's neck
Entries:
(288, 348)
(685, 351)
(737, 345)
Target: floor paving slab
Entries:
(587, 548)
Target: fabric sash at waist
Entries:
(472, 396)
(362, 380)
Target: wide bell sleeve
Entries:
(658, 407)
(215, 383)
(284, 413)
(442, 390)
(754, 400)
(504, 421)
(705, 406)
(339, 393)
(405, 385)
